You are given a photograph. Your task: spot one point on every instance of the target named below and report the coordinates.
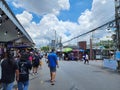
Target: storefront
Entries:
(12, 33)
(10, 28)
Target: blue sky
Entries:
(68, 18)
(76, 8)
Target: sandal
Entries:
(52, 83)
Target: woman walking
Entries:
(9, 71)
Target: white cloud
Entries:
(44, 31)
(25, 18)
(101, 12)
(64, 4)
(42, 7)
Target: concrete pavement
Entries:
(41, 81)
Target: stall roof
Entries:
(10, 27)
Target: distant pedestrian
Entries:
(35, 63)
(24, 68)
(9, 71)
(63, 55)
(40, 62)
(46, 57)
(52, 63)
(31, 57)
(86, 58)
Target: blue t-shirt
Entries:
(52, 58)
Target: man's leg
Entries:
(88, 61)
(84, 61)
(26, 84)
(50, 75)
(10, 86)
(53, 76)
(4, 86)
(20, 86)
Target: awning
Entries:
(10, 27)
(67, 49)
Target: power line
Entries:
(90, 31)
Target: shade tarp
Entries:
(67, 49)
(82, 50)
(76, 50)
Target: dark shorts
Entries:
(35, 64)
(52, 69)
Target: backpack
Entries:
(23, 68)
(1, 69)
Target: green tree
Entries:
(45, 48)
(108, 44)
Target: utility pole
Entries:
(91, 47)
(55, 40)
(60, 46)
(117, 22)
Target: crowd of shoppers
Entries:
(16, 65)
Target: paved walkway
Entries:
(94, 63)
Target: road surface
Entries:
(72, 75)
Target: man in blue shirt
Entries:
(52, 63)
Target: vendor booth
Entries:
(12, 33)
(113, 63)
